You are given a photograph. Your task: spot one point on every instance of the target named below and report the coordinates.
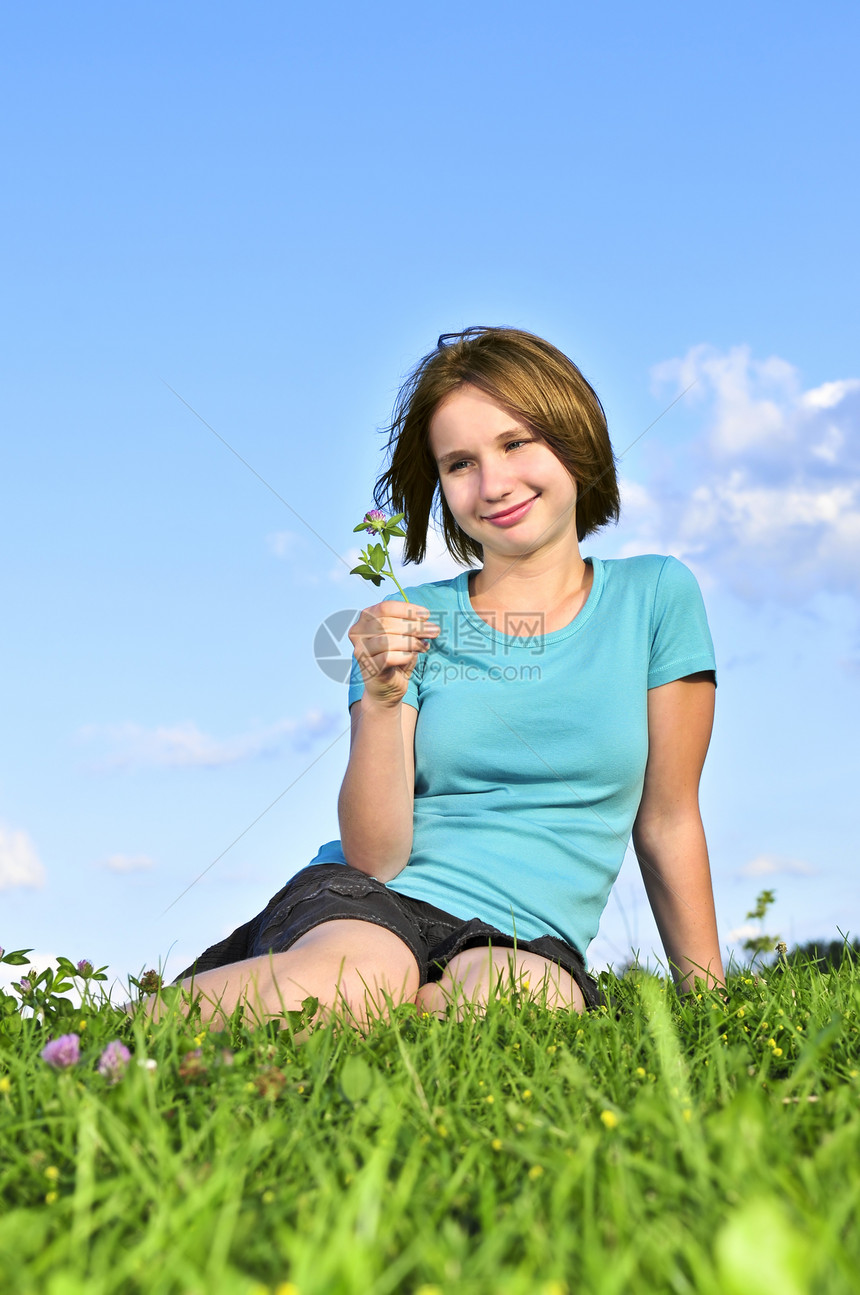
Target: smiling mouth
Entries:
(510, 514)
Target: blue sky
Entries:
(270, 212)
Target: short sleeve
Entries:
(681, 642)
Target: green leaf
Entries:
(393, 531)
(356, 1079)
(363, 570)
(376, 553)
(392, 521)
(360, 527)
(18, 958)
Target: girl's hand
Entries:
(387, 639)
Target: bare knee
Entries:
(474, 976)
(359, 969)
(351, 968)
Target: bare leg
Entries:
(469, 977)
(350, 966)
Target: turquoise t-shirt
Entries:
(530, 751)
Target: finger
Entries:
(391, 607)
(379, 645)
(388, 611)
(369, 628)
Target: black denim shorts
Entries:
(326, 892)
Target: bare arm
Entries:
(668, 835)
(376, 798)
(375, 803)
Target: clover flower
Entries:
(375, 557)
(113, 1061)
(63, 1052)
(85, 968)
(192, 1067)
(24, 985)
(374, 521)
(150, 982)
(270, 1081)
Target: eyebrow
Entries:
(519, 433)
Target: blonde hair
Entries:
(531, 380)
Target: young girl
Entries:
(510, 727)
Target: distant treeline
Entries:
(826, 956)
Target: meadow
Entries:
(707, 1144)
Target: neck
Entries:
(537, 580)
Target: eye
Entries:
(461, 463)
(515, 444)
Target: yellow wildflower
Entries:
(610, 1119)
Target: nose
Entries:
(496, 482)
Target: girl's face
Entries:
(504, 486)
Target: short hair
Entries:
(531, 380)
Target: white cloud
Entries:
(772, 865)
(284, 544)
(752, 394)
(185, 746)
(437, 565)
(749, 931)
(20, 864)
(829, 393)
(339, 573)
(128, 863)
(767, 500)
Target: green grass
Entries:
(659, 1146)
